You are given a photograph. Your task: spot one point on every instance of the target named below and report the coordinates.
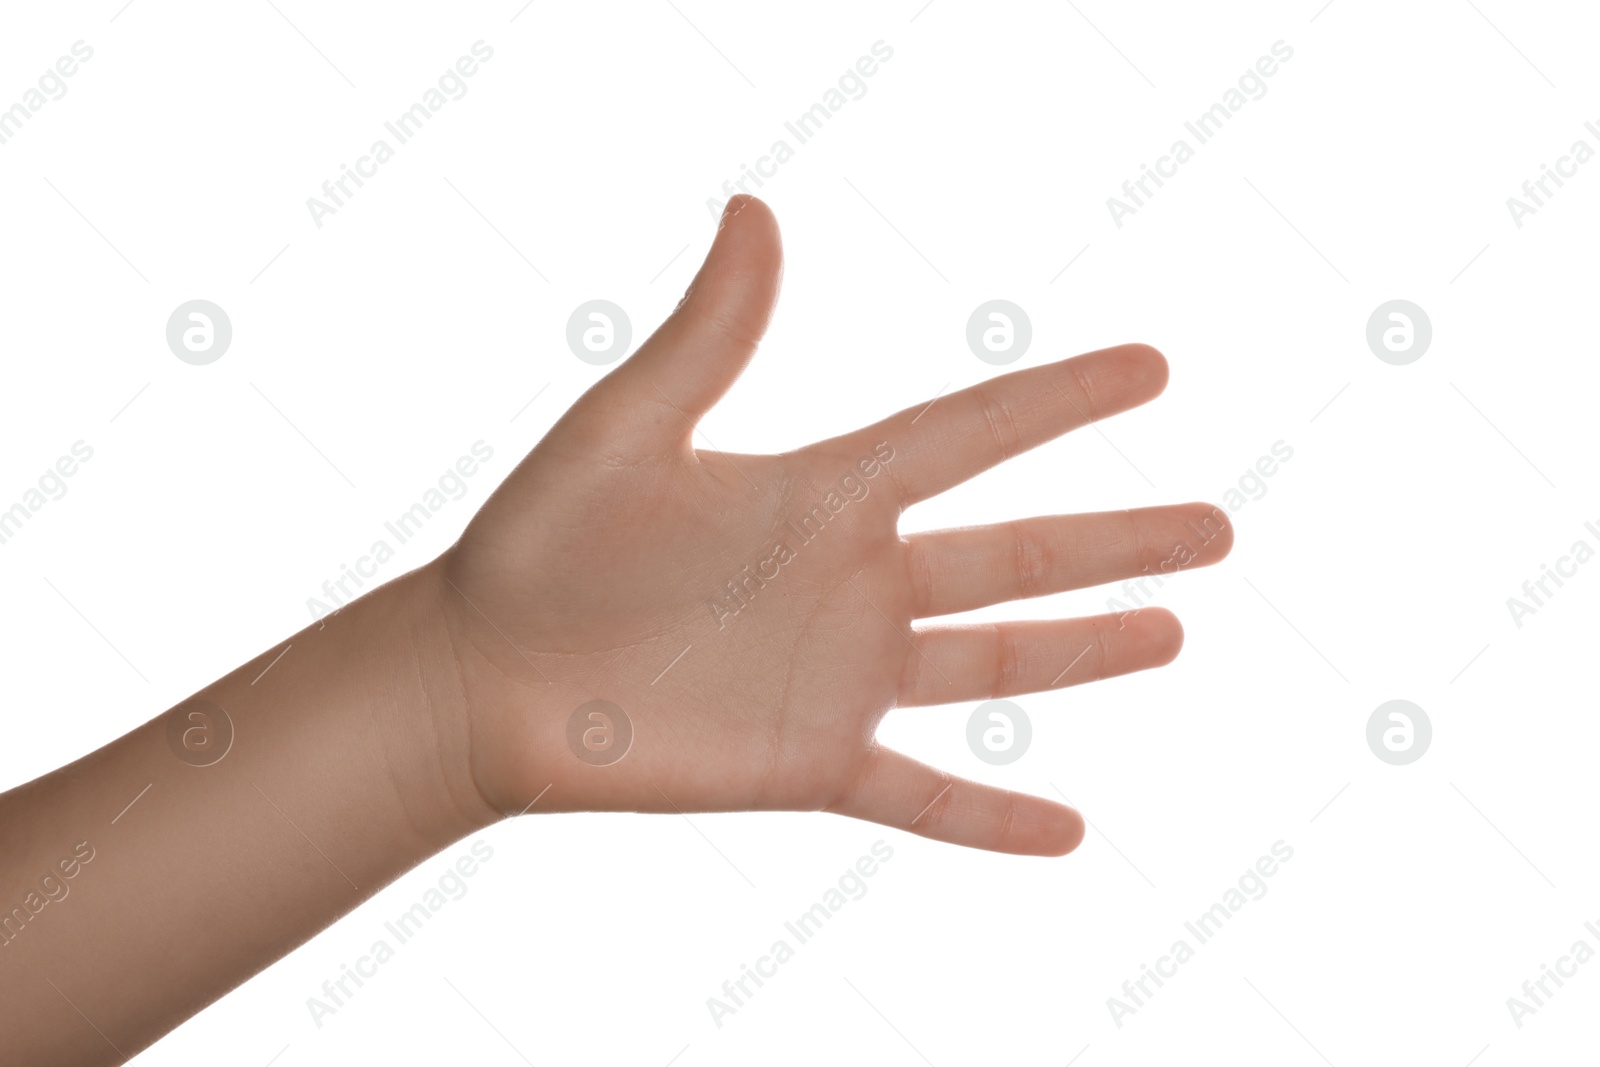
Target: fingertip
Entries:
(1222, 543)
(1040, 827)
(1043, 828)
(744, 265)
(1163, 635)
(1213, 527)
(736, 205)
(1149, 364)
(1069, 831)
(747, 217)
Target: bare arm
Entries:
(342, 771)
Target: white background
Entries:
(1376, 565)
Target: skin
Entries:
(440, 703)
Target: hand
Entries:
(752, 616)
(749, 618)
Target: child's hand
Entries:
(628, 624)
(752, 616)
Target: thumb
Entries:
(699, 351)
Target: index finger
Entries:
(941, 444)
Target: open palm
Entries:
(748, 620)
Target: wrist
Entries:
(435, 757)
(514, 698)
(383, 670)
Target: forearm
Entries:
(143, 881)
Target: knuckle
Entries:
(1139, 548)
(1103, 650)
(999, 421)
(937, 811)
(1088, 401)
(1033, 560)
(1008, 819)
(1011, 660)
(919, 570)
(911, 675)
